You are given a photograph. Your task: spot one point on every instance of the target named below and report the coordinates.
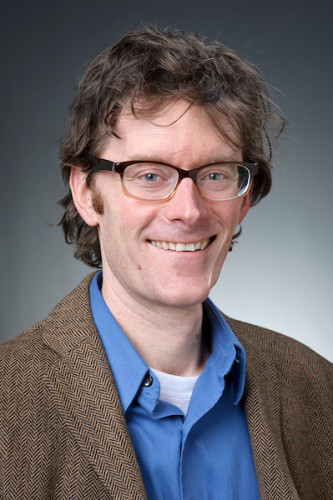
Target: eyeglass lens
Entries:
(153, 181)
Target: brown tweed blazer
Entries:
(63, 433)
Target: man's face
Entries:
(132, 231)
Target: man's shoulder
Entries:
(267, 350)
(72, 310)
(263, 339)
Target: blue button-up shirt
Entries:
(205, 455)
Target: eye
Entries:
(218, 173)
(148, 173)
(214, 176)
(151, 177)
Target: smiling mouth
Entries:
(182, 247)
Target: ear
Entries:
(82, 196)
(246, 204)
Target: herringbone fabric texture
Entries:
(289, 409)
(63, 434)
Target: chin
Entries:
(184, 297)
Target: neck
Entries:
(168, 339)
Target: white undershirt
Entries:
(176, 390)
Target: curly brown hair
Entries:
(155, 66)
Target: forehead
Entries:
(176, 133)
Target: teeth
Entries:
(181, 247)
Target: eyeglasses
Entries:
(155, 181)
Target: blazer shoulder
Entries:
(274, 343)
(70, 307)
(288, 357)
(28, 354)
(23, 362)
(288, 399)
(20, 348)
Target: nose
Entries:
(186, 204)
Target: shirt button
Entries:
(148, 381)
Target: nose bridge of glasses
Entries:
(183, 174)
(187, 174)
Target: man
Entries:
(136, 385)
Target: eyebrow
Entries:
(157, 159)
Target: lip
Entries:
(183, 247)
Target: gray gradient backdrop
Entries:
(280, 273)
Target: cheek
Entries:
(229, 215)
(119, 227)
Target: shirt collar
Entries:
(227, 353)
(128, 368)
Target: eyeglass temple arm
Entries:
(253, 167)
(101, 164)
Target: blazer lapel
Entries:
(84, 392)
(262, 409)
